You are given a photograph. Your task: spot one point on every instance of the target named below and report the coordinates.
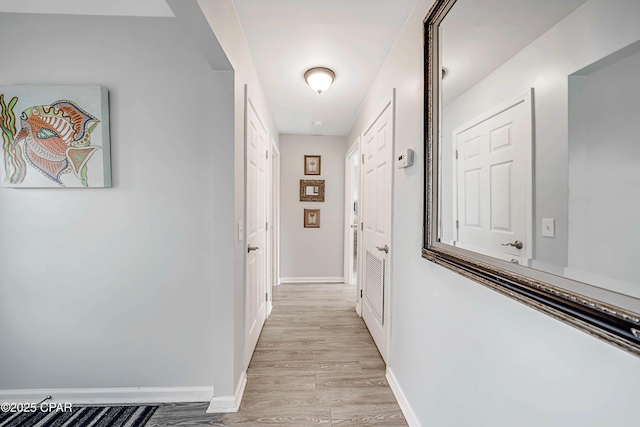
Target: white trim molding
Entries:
(225, 404)
(284, 280)
(110, 396)
(407, 411)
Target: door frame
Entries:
(354, 149)
(273, 233)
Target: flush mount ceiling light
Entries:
(319, 78)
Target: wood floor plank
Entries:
(184, 415)
(276, 417)
(315, 364)
(359, 415)
(279, 368)
(351, 380)
(270, 355)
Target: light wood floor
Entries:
(315, 364)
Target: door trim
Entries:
(275, 213)
(273, 219)
(354, 149)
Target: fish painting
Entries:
(54, 136)
(57, 139)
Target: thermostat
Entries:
(405, 159)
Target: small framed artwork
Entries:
(312, 190)
(312, 165)
(312, 218)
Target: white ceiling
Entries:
(478, 36)
(155, 8)
(352, 37)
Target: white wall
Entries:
(118, 287)
(604, 169)
(312, 252)
(463, 354)
(223, 19)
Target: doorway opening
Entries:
(352, 219)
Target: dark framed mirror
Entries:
(532, 155)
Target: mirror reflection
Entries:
(540, 136)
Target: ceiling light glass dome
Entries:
(319, 78)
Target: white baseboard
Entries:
(312, 280)
(224, 404)
(240, 389)
(110, 396)
(408, 413)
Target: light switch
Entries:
(240, 231)
(548, 227)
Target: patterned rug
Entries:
(94, 416)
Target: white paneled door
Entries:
(377, 150)
(256, 233)
(494, 179)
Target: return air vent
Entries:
(374, 284)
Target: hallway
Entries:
(315, 364)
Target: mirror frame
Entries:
(579, 305)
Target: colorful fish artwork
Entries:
(54, 138)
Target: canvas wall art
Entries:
(55, 136)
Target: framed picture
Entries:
(312, 165)
(312, 190)
(55, 137)
(312, 218)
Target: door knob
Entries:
(252, 248)
(517, 244)
(385, 249)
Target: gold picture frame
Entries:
(312, 165)
(312, 218)
(312, 190)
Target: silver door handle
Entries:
(354, 225)
(517, 244)
(252, 248)
(385, 249)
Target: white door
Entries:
(256, 203)
(494, 179)
(377, 148)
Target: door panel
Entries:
(376, 212)
(501, 203)
(256, 203)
